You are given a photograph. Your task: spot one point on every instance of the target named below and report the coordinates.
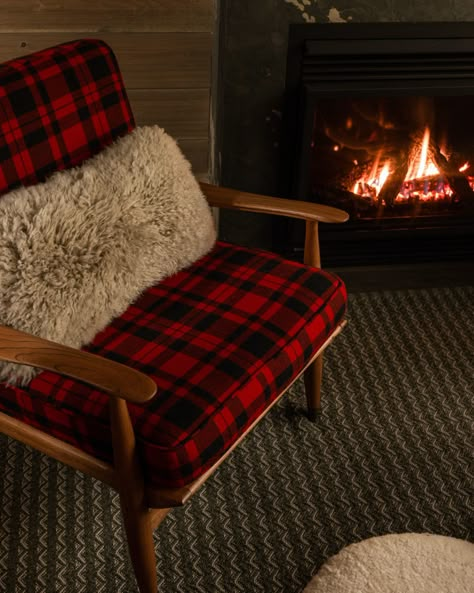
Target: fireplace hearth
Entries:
(379, 121)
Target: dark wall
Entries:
(252, 60)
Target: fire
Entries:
(425, 168)
(384, 174)
(423, 154)
(422, 181)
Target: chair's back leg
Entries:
(136, 516)
(312, 381)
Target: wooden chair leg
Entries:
(312, 381)
(136, 515)
(140, 545)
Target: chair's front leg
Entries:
(135, 512)
(140, 544)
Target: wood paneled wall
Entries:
(163, 47)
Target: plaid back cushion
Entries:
(58, 107)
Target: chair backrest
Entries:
(58, 107)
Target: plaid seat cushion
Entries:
(221, 339)
(58, 107)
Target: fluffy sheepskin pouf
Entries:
(400, 563)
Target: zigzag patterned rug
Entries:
(392, 452)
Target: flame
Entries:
(420, 166)
(423, 154)
(423, 180)
(375, 166)
(383, 176)
(373, 183)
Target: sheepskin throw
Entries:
(76, 250)
(399, 563)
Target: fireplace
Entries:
(379, 121)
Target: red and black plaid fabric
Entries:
(58, 107)
(221, 339)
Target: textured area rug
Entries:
(391, 453)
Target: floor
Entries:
(406, 276)
(391, 453)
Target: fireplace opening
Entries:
(386, 156)
(380, 122)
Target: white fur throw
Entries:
(76, 250)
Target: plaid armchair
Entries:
(161, 396)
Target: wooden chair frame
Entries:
(144, 508)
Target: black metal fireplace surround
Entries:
(379, 121)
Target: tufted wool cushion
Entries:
(221, 339)
(76, 250)
(399, 563)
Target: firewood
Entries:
(381, 140)
(393, 183)
(456, 179)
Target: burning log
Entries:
(341, 198)
(391, 188)
(457, 181)
(380, 140)
(395, 163)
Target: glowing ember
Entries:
(422, 181)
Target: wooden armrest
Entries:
(222, 197)
(112, 377)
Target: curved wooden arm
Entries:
(112, 377)
(222, 197)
